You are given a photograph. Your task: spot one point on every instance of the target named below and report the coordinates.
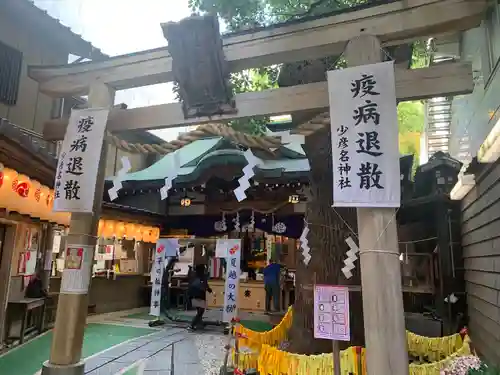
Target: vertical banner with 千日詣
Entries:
(76, 173)
(364, 124)
(156, 279)
(233, 259)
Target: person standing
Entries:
(198, 293)
(272, 275)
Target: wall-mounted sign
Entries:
(77, 269)
(331, 313)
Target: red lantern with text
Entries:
(20, 201)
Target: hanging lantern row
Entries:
(21, 194)
(130, 231)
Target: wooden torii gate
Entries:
(395, 23)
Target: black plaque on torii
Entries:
(199, 66)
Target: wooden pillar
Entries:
(5, 271)
(385, 335)
(47, 243)
(446, 276)
(66, 351)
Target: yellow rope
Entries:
(219, 130)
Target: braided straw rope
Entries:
(219, 130)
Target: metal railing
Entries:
(28, 137)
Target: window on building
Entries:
(10, 72)
(492, 28)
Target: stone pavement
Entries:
(170, 351)
(116, 344)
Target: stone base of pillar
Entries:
(50, 369)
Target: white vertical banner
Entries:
(78, 162)
(232, 286)
(156, 278)
(364, 124)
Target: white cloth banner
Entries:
(170, 245)
(78, 162)
(156, 278)
(221, 248)
(364, 124)
(233, 259)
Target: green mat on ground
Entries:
(28, 359)
(255, 325)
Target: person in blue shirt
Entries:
(272, 275)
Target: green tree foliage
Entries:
(411, 125)
(246, 14)
(254, 80)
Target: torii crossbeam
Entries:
(411, 84)
(395, 23)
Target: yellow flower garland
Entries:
(274, 337)
(270, 360)
(434, 348)
(434, 368)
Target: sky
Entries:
(118, 27)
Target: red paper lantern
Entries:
(23, 189)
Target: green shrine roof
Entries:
(216, 152)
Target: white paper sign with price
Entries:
(364, 124)
(78, 262)
(232, 285)
(78, 162)
(331, 313)
(156, 279)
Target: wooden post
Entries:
(385, 335)
(336, 357)
(335, 343)
(65, 355)
(6, 265)
(47, 243)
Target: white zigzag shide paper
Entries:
(120, 176)
(351, 258)
(248, 173)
